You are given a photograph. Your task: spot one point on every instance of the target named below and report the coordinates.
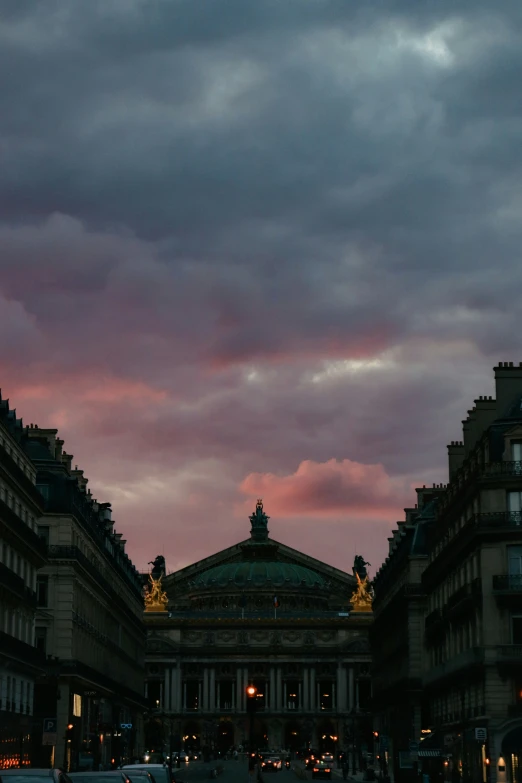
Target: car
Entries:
(310, 759)
(322, 770)
(33, 775)
(113, 776)
(160, 772)
(108, 776)
(328, 758)
(269, 764)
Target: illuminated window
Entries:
(77, 705)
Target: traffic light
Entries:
(376, 734)
(70, 732)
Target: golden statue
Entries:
(155, 598)
(363, 596)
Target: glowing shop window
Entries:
(77, 705)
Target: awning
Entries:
(430, 753)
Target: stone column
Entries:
(205, 703)
(179, 688)
(166, 691)
(285, 695)
(300, 696)
(272, 690)
(351, 689)
(341, 688)
(173, 691)
(200, 696)
(184, 705)
(279, 697)
(245, 683)
(218, 696)
(334, 696)
(239, 690)
(212, 693)
(312, 695)
(306, 698)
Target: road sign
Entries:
(481, 734)
(49, 735)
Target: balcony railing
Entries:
(62, 552)
(509, 652)
(16, 585)
(495, 519)
(507, 583)
(258, 614)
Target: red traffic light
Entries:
(70, 726)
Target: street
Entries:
(234, 771)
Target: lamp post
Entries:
(251, 693)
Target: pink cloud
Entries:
(329, 488)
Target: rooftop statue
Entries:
(156, 599)
(158, 567)
(363, 596)
(359, 566)
(259, 521)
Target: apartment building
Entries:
(21, 555)
(89, 621)
(471, 585)
(397, 643)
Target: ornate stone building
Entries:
(265, 614)
(89, 622)
(448, 682)
(22, 553)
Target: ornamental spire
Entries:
(259, 522)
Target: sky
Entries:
(258, 248)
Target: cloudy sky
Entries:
(258, 248)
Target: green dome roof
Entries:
(258, 574)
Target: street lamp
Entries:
(251, 693)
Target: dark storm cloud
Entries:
(237, 237)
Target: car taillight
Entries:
(328, 770)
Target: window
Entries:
(515, 561)
(516, 451)
(516, 629)
(42, 590)
(43, 532)
(40, 640)
(515, 505)
(77, 705)
(44, 490)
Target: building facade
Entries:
(469, 692)
(89, 622)
(397, 642)
(260, 613)
(21, 555)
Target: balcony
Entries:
(59, 552)
(498, 519)
(507, 583)
(464, 600)
(509, 653)
(16, 585)
(468, 661)
(507, 588)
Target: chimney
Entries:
(508, 382)
(67, 460)
(469, 435)
(59, 449)
(455, 457)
